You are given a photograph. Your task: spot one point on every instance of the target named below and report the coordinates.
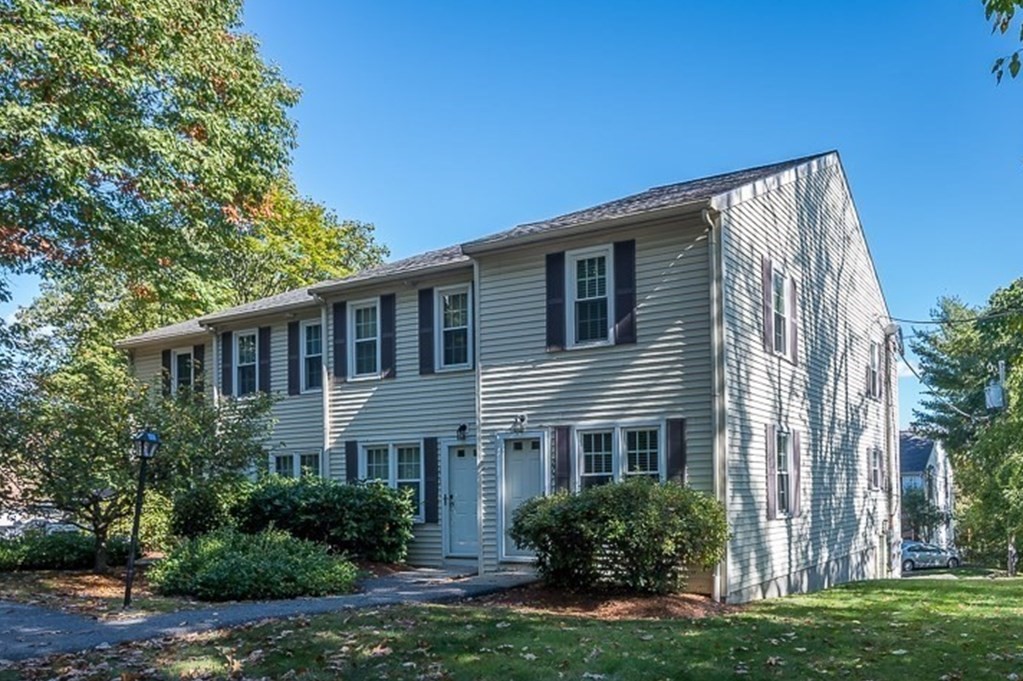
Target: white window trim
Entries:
(778, 271)
(296, 462)
(619, 458)
(174, 367)
(392, 469)
(358, 305)
(571, 257)
(874, 363)
(789, 450)
(236, 338)
(438, 327)
(876, 466)
(304, 376)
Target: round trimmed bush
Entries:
(228, 565)
(636, 535)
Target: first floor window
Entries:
(399, 466)
(410, 471)
(783, 450)
(312, 356)
(597, 457)
(183, 369)
(245, 363)
(643, 452)
(366, 340)
(309, 464)
(378, 463)
(284, 465)
(589, 308)
(296, 465)
(614, 453)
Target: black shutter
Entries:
(264, 358)
(426, 331)
(294, 370)
(625, 291)
(340, 341)
(226, 363)
(199, 368)
(165, 374)
(351, 460)
(556, 301)
(431, 479)
(563, 458)
(388, 349)
(676, 449)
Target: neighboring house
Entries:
(729, 332)
(924, 465)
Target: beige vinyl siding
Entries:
(406, 408)
(809, 226)
(667, 373)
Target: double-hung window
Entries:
(589, 308)
(643, 452)
(399, 466)
(312, 355)
(783, 470)
(614, 453)
(246, 363)
(779, 301)
(296, 465)
(597, 453)
(182, 370)
(876, 470)
(874, 370)
(454, 323)
(365, 323)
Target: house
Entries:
(728, 332)
(924, 465)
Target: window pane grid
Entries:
(378, 464)
(598, 458)
(642, 452)
(591, 305)
(309, 464)
(455, 329)
(284, 465)
(246, 364)
(365, 340)
(783, 471)
(183, 369)
(780, 313)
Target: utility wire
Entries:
(964, 320)
(938, 397)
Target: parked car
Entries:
(916, 555)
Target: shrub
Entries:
(229, 565)
(36, 550)
(365, 520)
(200, 510)
(635, 535)
(155, 524)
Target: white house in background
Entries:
(924, 465)
(728, 332)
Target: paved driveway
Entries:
(31, 631)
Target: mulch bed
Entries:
(538, 599)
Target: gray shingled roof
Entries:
(452, 255)
(179, 330)
(914, 451)
(289, 299)
(657, 198)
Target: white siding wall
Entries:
(406, 408)
(667, 373)
(810, 226)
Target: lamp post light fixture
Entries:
(146, 444)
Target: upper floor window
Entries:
(312, 355)
(874, 370)
(876, 467)
(781, 329)
(781, 313)
(246, 363)
(589, 305)
(454, 322)
(182, 370)
(365, 359)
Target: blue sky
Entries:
(439, 122)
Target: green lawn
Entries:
(943, 630)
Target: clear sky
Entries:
(443, 121)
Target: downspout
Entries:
(214, 375)
(720, 396)
(894, 490)
(478, 412)
(327, 387)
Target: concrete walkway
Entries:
(30, 631)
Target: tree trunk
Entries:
(1010, 563)
(100, 565)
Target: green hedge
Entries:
(36, 550)
(227, 565)
(200, 510)
(365, 520)
(635, 535)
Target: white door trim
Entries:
(545, 465)
(444, 446)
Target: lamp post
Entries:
(146, 444)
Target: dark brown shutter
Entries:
(426, 322)
(199, 368)
(165, 374)
(767, 272)
(388, 349)
(676, 450)
(431, 479)
(226, 363)
(563, 458)
(340, 341)
(625, 291)
(294, 368)
(555, 301)
(868, 387)
(772, 473)
(796, 478)
(351, 460)
(264, 358)
(793, 322)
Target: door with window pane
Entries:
(522, 480)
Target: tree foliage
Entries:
(1002, 15)
(919, 514)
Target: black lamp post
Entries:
(146, 444)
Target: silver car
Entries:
(917, 554)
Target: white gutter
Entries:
(327, 388)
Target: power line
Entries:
(938, 397)
(964, 320)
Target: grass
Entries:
(945, 630)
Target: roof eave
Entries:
(133, 343)
(327, 289)
(751, 190)
(219, 319)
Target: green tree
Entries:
(1002, 15)
(135, 135)
(919, 514)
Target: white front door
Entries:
(460, 502)
(523, 480)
